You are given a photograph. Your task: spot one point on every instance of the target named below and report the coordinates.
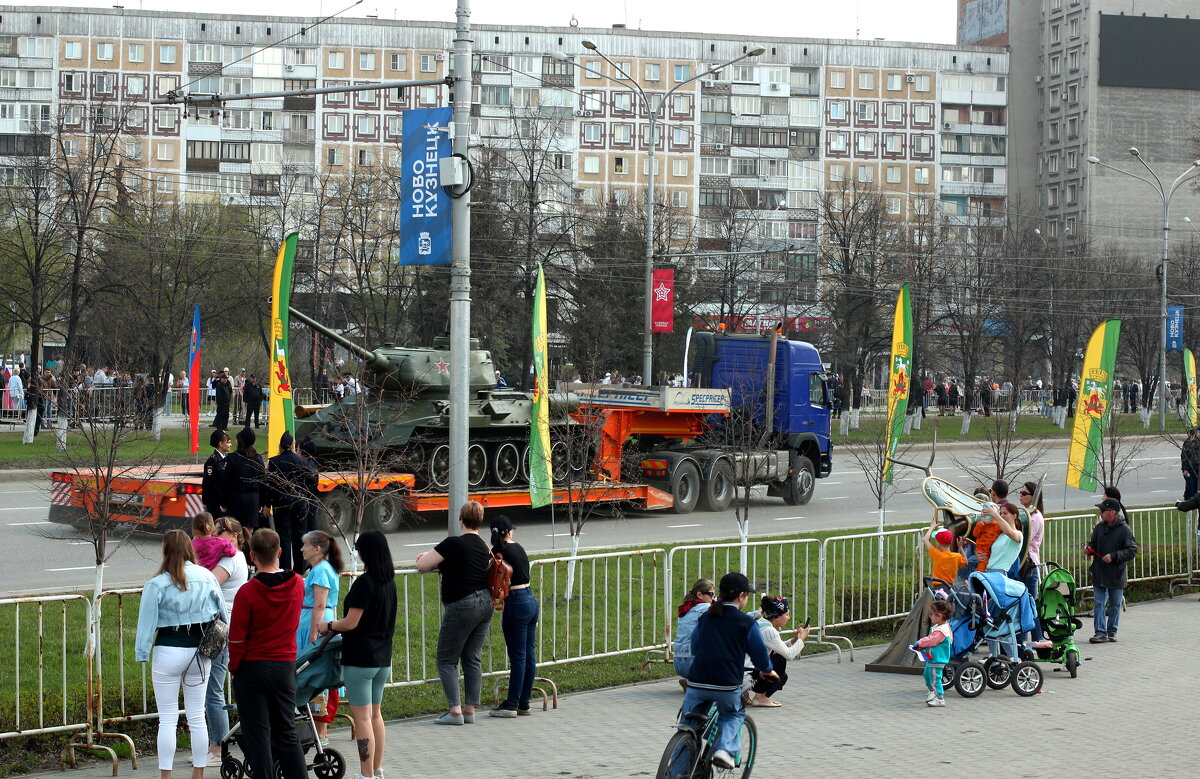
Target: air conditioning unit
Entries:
(1038, 79)
(945, 125)
(581, 112)
(587, 113)
(441, 57)
(719, 147)
(708, 82)
(774, 87)
(289, 68)
(909, 79)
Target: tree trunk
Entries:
(966, 423)
(744, 536)
(156, 423)
(572, 562)
(31, 416)
(60, 425)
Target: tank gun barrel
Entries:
(373, 359)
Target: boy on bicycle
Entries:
(724, 636)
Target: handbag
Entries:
(214, 636)
(499, 580)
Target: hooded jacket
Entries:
(1116, 540)
(266, 613)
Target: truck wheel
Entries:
(386, 512)
(717, 492)
(336, 512)
(685, 487)
(800, 485)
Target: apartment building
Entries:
(755, 144)
(1094, 78)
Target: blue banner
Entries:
(424, 205)
(1174, 328)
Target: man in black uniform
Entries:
(214, 468)
(292, 488)
(224, 396)
(252, 396)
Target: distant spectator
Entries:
(1111, 547)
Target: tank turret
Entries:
(406, 398)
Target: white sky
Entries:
(901, 20)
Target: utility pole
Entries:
(460, 269)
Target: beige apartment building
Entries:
(756, 143)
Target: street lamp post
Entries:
(1165, 193)
(652, 105)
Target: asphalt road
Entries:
(37, 556)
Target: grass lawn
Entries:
(40, 454)
(1029, 425)
(616, 603)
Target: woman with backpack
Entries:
(176, 605)
(519, 621)
(463, 562)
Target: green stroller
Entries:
(1056, 605)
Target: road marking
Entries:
(427, 543)
(781, 519)
(834, 497)
(80, 543)
(829, 483)
(23, 508)
(18, 492)
(76, 568)
(1157, 478)
(561, 535)
(1096, 496)
(678, 526)
(46, 522)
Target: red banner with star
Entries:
(662, 302)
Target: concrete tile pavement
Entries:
(1130, 712)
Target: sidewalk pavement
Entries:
(1125, 714)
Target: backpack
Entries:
(499, 579)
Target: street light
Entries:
(1165, 193)
(652, 105)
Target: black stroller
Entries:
(319, 667)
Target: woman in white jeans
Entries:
(175, 605)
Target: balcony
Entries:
(299, 135)
(972, 188)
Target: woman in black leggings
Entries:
(774, 614)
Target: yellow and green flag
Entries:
(1091, 412)
(541, 489)
(900, 375)
(1189, 380)
(280, 417)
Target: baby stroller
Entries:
(318, 667)
(992, 607)
(1056, 609)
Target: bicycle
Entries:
(689, 752)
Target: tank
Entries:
(402, 416)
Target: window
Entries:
(366, 158)
(743, 73)
(620, 165)
(1052, 197)
(167, 54)
(1072, 160)
(367, 125)
(428, 95)
(622, 101)
(837, 173)
(837, 142)
(73, 50)
(866, 173)
(103, 83)
(335, 124)
(837, 79)
(137, 52)
(205, 52)
(714, 197)
(1073, 26)
(135, 85)
(681, 136)
(104, 51)
(920, 175)
(166, 119)
(1055, 65)
(681, 104)
(1073, 127)
(203, 150)
(865, 143)
(336, 60)
(592, 132)
(893, 143)
(335, 156)
(70, 147)
(682, 73)
(1055, 98)
(653, 71)
(1055, 33)
(922, 83)
(746, 105)
(366, 60)
(1072, 193)
(804, 110)
(1052, 163)
(234, 151)
(40, 47)
(893, 205)
(1072, 93)
(164, 151)
(679, 167)
(591, 164)
(1054, 131)
(679, 198)
(837, 110)
(622, 133)
(922, 144)
(1073, 60)
(866, 80)
(398, 62)
(895, 82)
(714, 166)
(491, 94)
(593, 69)
(922, 113)
(745, 166)
(865, 111)
(893, 174)
(428, 63)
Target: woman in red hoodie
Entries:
(262, 659)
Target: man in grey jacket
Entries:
(1111, 547)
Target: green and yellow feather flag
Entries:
(1189, 381)
(541, 489)
(280, 417)
(899, 376)
(1091, 412)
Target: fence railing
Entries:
(592, 606)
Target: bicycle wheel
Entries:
(680, 756)
(747, 746)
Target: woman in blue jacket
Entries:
(699, 598)
(174, 608)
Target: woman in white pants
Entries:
(175, 606)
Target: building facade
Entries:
(746, 156)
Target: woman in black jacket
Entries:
(245, 482)
(519, 621)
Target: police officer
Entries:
(244, 483)
(292, 490)
(214, 471)
(252, 396)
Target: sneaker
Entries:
(931, 696)
(325, 742)
(503, 713)
(378, 773)
(450, 719)
(469, 719)
(937, 702)
(722, 759)
(525, 712)
(1099, 638)
(1112, 639)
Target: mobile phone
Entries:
(806, 621)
